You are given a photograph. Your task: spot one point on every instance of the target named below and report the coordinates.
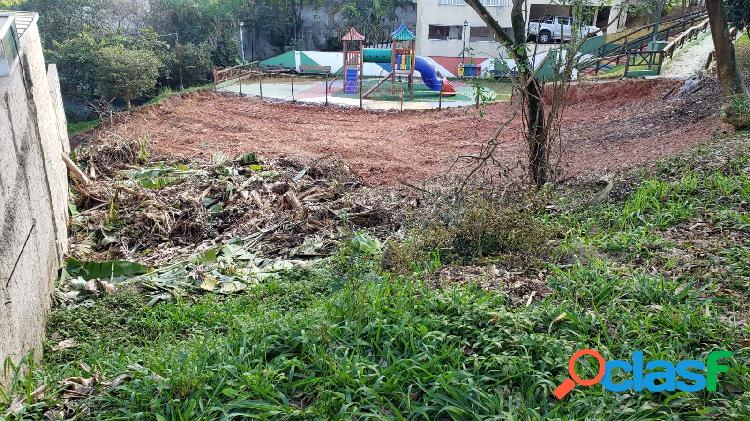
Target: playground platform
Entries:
(386, 97)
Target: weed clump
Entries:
(737, 112)
(479, 230)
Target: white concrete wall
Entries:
(432, 12)
(33, 197)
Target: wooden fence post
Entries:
(326, 90)
(440, 101)
(627, 65)
(261, 86)
(402, 96)
(293, 88)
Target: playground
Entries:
(606, 125)
(370, 78)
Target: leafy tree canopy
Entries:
(126, 73)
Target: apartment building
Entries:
(451, 28)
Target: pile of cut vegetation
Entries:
(211, 224)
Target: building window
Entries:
(481, 33)
(444, 32)
(484, 33)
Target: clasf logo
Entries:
(655, 376)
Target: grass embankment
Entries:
(664, 269)
(82, 126)
(742, 49)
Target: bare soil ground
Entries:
(607, 125)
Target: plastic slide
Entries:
(428, 73)
(422, 65)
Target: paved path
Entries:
(689, 59)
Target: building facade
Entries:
(451, 28)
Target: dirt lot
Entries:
(607, 125)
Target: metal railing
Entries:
(651, 59)
(635, 40)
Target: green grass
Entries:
(742, 50)
(348, 339)
(168, 93)
(82, 126)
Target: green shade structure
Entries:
(402, 33)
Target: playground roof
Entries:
(353, 35)
(402, 33)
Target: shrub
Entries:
(196, 64)
(737, 112)
(480, 230)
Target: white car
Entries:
(557, 28)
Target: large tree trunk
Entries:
(726, 63)
(530, 89)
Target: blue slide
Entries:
(429, 75)
(421, 64)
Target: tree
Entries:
(734, 110)
(196, 63)
(77, 59)
(227, 51)
(127, 73)
(374, 18)
(530, 89)
(738, 12)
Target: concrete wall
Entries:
(456, 12)
(33, 197)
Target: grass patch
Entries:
(82, 126)
(166, 93)
(742, 52)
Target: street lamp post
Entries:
(463, 36)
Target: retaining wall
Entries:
(33, 197)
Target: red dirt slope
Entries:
(606, 125)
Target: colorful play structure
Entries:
(403, 63)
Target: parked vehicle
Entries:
(557, 28)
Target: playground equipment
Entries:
(404, 62)
(401, 57)
(353, 42)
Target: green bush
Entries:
(481, 230)
(196, 64)
(737, 112)
(127, 73)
